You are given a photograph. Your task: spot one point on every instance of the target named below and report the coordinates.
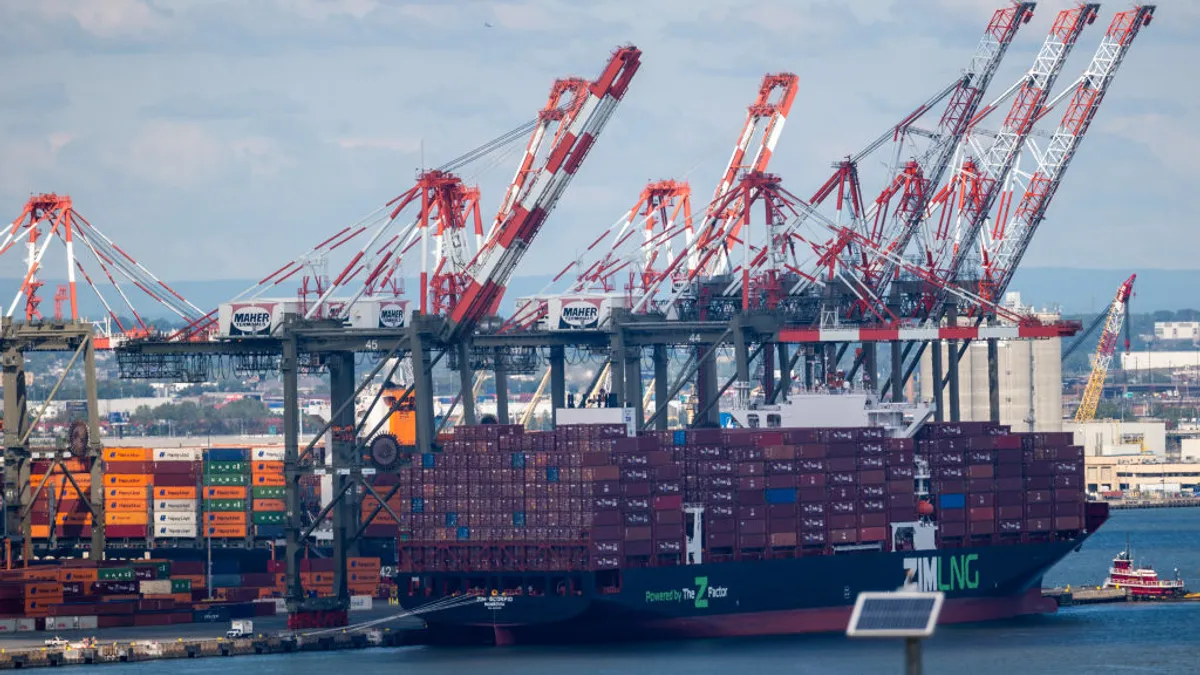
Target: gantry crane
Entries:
(1117, 316)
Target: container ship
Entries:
(594, 532)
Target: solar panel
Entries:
(895, 614)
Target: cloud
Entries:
(302, 115)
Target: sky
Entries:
(217, 139)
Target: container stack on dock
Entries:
(59, 500)
(268, 508)
(226, 487)
(174, 510)
(127, 485)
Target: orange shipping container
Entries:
(127, 455)
(43, 588)
(39, 531)
(84, 574)
(266, 468)
(42, 573)
(39, 608)
(225, 518)
(134, 493)
(59, 480)
(174, 493)
(126, 480)
(225, 492)
(125, 518)
(198, 580)
(225, 531)
(127, 505)
(269, 505)
(268, 480)
(73, 519)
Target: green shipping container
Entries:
(224, 504)
(226, 479)
(269, 492)
(269, 518)
(227, 467)
(115, 574)
(181, 585)
(164, 570)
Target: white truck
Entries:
(240, 628)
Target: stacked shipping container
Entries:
(59, 500)
(226, 475)
(267, 493)
(127, 484)
(174, 510)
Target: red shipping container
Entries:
(812, 494)
(746, 541)
(902, 500)
(847, 536)
(952, 516)
(126, 531)
(901, 486)
(638, 533)
(1068, 495)
(1039, 510)
(841, 464)
(1010, 512)
(981, 527)
(173, 480)
(1037, 524)
(752, 526)
(872, 534)
(720, 539)
(873, 519)
(668, 517)
(664, 502)
(190, 468)
(751, 512)
(958, 529)
(751, 482)
(783, 481)
(981, 499)
(980, 471)
(782, 525)
(122, 468)
(843, 522)
(722, 525)
(783, 539)
(1067, 523)
(780, 452)
(872, 491)
(872, 477)
(811, 451)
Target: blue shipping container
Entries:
(781, 496)
(227, 454)
(227, 580)
(211, 615)
(518, 460)
(680, 438)
(519, 519)
(418, 505)
(552, 474)
(451, 520)
(226, 566)
(269, 531)
(464, 533)
(428, 460)
(952, 501)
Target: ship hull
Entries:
(749, 598)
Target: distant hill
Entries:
(1076, 291)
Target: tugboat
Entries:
(1142, 583)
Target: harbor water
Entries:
(1117, 638)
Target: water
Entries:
(1122, 638)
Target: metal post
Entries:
(952, 321)
(897, 372)
(809, 365)
(870, 371)
(422, 389)
(661, 386)
(912, 656)
(785, 373)
(558, 381)
(466, 383)
(741, 360)
(706, 387)
(616, 361)
(768, 364)
(341, 386)
(633, 383)
(993, 364)
(501, 373)
(16, 456)
(939, 410)
(95, 447)
(288, 368)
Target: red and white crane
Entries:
(489, 272)
(641, 248)
(49, 217)
(1014, 226)
(961, 207)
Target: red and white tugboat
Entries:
(1142, 583)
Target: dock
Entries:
(1155, 503)
(153, 650)
(1070, 596)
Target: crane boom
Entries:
(491, 269)
(1104, 352)
(947, 252)
(1002, 252)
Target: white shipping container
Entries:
(26, 625)
(8, 625)
(280, 604)
(155, 587)
(374, 313)
(175, 518)
(167, 531)
(176, 505)
(177, 455)
(271, 454)
(86, 622)
(60, 623)
(254, 319)
(360, 603)
(582, 312)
